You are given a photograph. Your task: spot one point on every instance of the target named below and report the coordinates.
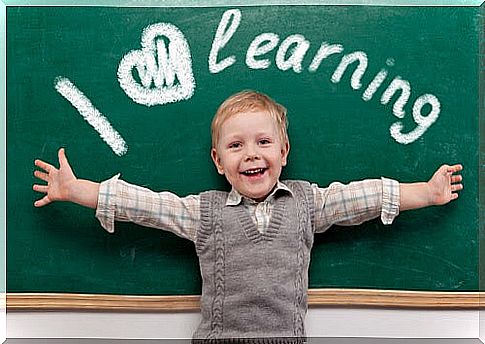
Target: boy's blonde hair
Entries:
(249, 101)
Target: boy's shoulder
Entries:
(302, 188)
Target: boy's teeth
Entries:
(259, 170)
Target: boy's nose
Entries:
(251, 153)
(251, 157)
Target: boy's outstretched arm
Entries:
(62, 184)
(440, 189)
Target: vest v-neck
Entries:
(275, 221)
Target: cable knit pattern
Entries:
(211, 218)
(299, 258)
(303, 206)
(255, 284)
(217, 313)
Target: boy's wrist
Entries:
(72, 189)
(84, 192)
(416, 195)
(430, 194)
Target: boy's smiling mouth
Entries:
(254, 171)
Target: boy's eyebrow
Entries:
(263, 133)
(237, 135)
(266, 134)
(231, 137)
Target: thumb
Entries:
(63, 163)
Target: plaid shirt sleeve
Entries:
(356, 202)
(121, 201)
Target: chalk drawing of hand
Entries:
(165, 73)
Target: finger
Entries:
(42, 202)
(456, 187)
(43, 165)
(63, 163)
(42, 175)
(456, 178)
(62, 157)
(40, 188)
(455, 168)
(454, 196)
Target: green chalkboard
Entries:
(340, 129)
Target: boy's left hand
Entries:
(444, 184)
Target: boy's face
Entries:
(250, 153)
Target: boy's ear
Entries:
(285, 150)
(217, 161)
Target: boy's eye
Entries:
(235, 145)
(264, 141)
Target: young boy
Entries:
(254, 242)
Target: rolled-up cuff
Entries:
(105, 211)
(390, 200)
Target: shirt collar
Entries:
(235, 198)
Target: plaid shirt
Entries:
(338, 204)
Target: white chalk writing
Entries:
(163, 68)
(290, 55)
(257, 48)
(323, 52)
(158, 67)
(223, 35)
(297, 54)
(109, 135)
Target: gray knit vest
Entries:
(254, 285)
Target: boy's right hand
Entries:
(59, 181)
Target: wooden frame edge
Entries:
(316, 298)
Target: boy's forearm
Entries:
(414, 195)
(84, 192)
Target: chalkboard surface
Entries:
(371, 91)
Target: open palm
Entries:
(445, 183)
(58, 180)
